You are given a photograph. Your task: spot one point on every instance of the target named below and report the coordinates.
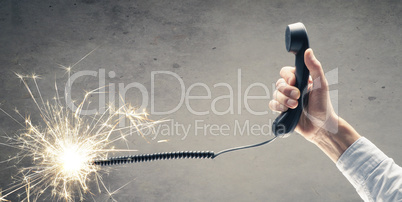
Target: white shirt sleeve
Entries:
(374, 175)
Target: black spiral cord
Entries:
(171, 155)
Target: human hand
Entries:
(318, 116)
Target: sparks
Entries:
(63, 146)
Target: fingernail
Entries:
(312, 56)
(289, 80)
(294, 94)
(291, 103)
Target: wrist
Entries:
(335, 137)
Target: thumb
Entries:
(314, 66)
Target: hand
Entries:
(318, 116)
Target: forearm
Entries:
(333, 144)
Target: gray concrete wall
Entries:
(209, 42)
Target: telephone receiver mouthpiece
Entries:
(296, 42)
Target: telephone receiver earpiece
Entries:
(296, 42)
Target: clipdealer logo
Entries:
(234, 96)
(185, 99)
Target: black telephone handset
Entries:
(297, 43)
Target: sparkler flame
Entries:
(63, 147)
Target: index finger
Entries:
(288, 73)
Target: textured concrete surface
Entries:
(209, 42)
